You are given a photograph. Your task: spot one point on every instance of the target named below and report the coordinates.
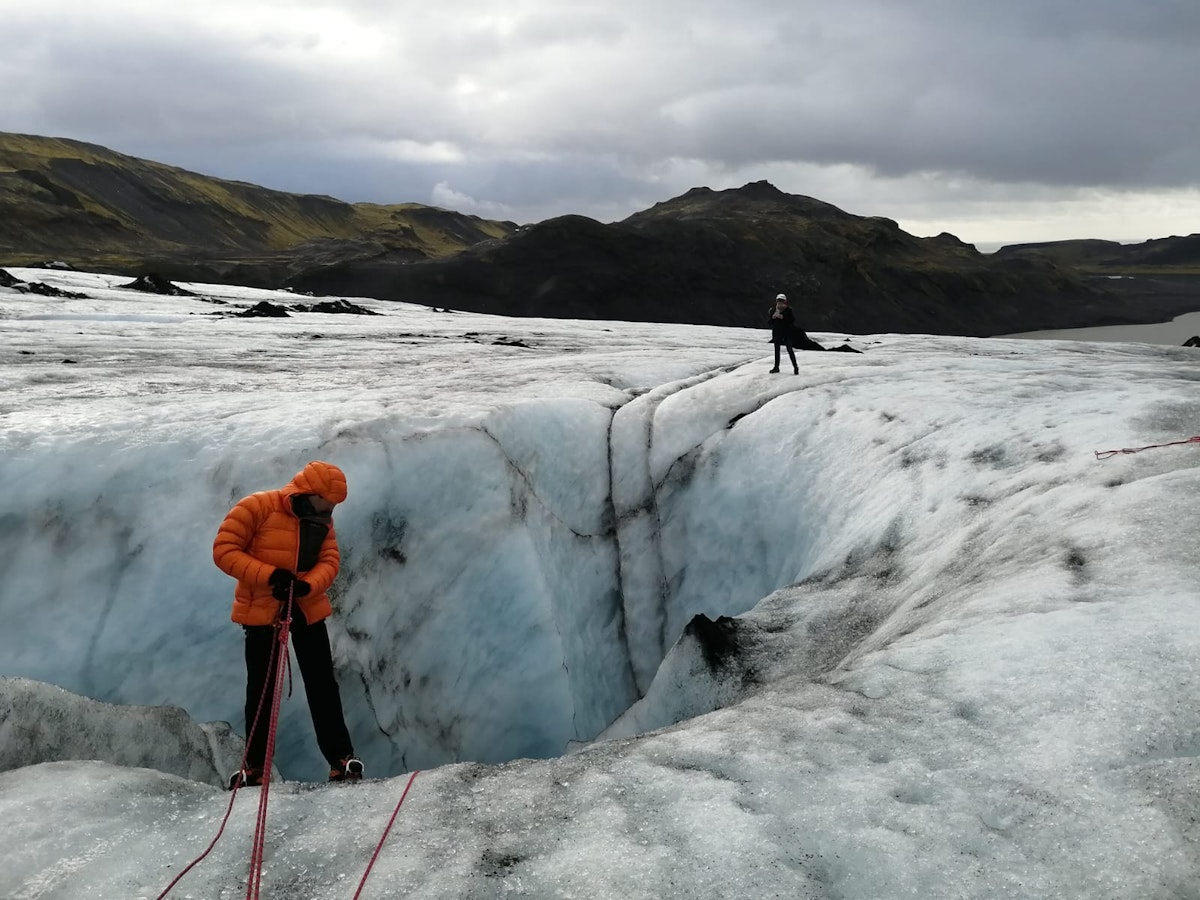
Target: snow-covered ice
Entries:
(43, 723)
(963, 660)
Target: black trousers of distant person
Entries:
(311, 644)
(787, 342)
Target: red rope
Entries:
(383, 837)
(207, 850)
(1108, 454)
(237, 786)
(254, 882)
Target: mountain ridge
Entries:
(707, 256)
(1178, 254)
(97, 208)
(719, 258)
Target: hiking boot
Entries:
(244, 778)
(348, 769)
(796, 371)
(775, 371)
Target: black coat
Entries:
(782, 329)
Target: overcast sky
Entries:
(1009, 121)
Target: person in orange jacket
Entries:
(280, 545)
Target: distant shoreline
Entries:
(1159, 309)
(1172, 334)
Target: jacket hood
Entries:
(321, 478)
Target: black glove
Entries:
(282, 584)
(301, 588)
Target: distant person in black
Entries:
(783, 323)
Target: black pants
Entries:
(311, 643)
(791, 355)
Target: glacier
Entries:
(654, 622)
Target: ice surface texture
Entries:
(965, 667)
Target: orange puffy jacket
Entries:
(262, 534)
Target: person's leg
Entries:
(792, 357)
(324, 700)
(776, 369)
(260, 644)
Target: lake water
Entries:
(1173, 333)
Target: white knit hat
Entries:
(781, 296)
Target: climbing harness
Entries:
(1107, 454)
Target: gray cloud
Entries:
(543, 109)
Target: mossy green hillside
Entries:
(84, 203)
